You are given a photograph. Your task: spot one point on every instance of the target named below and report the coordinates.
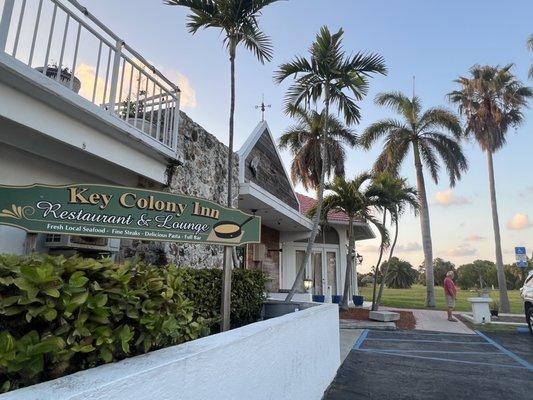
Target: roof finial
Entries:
(262, 107)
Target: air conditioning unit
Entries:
(81, 242)
(258, 252)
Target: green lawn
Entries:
(415, 297)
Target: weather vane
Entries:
(262, 107)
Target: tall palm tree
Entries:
(332, 78)
(400, 197)
(492, 101)
(428, 134)
(238, 22)
(303, 141)
(358, 202)
(380, 180)
(529, 45)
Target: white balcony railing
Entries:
(65, 42)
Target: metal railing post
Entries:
(114, 76)
(5, 22)
(175, 133)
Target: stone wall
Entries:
(200, 172)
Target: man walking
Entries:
(450, 291)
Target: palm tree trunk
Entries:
(225, 306)
(384, 274)
(349, 266)
(425, 228)
(318, 211)
(376, 272)
(504, 300)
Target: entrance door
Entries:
(316, 265)
(331, 260)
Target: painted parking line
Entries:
(423, 341)
(432, 351)
(360, 340)
(386, 352)
(425, 354)
(509, 353)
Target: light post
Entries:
(308, 284)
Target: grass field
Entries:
(415, 298)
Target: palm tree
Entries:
(400, 196)
(426, 133)
(332, 78)
(238, 21)
(492, 101)
(303, 141)
(402, 274)
(529, 45)
(358, 203)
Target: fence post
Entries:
(5, 22)
(114, 76)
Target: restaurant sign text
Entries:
(122, 212)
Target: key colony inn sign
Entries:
(113, 211)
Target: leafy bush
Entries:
(60, 315)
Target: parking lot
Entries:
(431, 365)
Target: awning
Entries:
(274, 213)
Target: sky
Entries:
(435, 41)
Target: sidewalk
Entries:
(436, 320)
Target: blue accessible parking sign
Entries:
(521, 257)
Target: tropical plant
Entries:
(440, 268)
(529, 45)
(61, 315)
(238, 20)
(401, 273)
(335, 79)
(400, 196)
(358, 200)
(426, 133)
(303, 142)
(475, 274)
(492, 101)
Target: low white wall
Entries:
(292, 357)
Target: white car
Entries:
(527, 294)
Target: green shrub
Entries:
(60, 315)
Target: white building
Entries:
(117, 125)
(266, 190)
(79, 105)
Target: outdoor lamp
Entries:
(359, 258)
(308, 283)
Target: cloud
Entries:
(409, 247)
(474, 238)
(519, 221)
(448, 198)
(461, 250)
(367, 248)
(86, 74)
(188, 94)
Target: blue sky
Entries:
(434, 41)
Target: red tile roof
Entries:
(307, 202)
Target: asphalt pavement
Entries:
(432, 365)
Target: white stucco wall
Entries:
(291, 357)
(18, 167)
